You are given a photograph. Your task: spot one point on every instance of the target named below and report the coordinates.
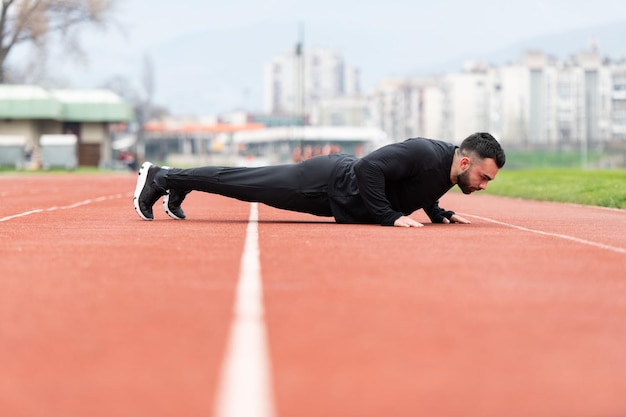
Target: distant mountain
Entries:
(220, 70)
(216, 70)
(610, 40)
(223, 69)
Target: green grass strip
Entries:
(606, 188)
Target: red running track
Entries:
(521, 313)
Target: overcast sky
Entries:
(431, 30)
(489, 22)
(478, 20)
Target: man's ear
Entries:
(465, 163)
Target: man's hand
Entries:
(406, 221)
(456, 219)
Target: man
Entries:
(384, 187)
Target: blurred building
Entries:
(83, 118)
(298, 82)
(342, 111)
(313, 104)
(296, 143)
(538, 101)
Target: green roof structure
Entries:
(27, 102)
(32, 102)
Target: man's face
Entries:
(476, 177)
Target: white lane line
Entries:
(245, 386)
(559, 235)
(67, 207)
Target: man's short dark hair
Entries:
(485, 146)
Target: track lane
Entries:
(597, 224)
(446, 320)
(104, 314)
(478, 320)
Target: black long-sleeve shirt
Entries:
(391, 182)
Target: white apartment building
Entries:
(550, 101)
(617, 100)
(538, 101)
(467, 99)
(406, 108)
(396, 107)
(298, 81)
(448, 107)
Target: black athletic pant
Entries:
(299, 187)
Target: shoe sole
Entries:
(141, 182)
(166, 201)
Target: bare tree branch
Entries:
(37, 22)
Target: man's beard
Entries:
(462, 181)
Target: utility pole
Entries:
(300, 84)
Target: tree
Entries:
(37, 22)
(142, 99)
